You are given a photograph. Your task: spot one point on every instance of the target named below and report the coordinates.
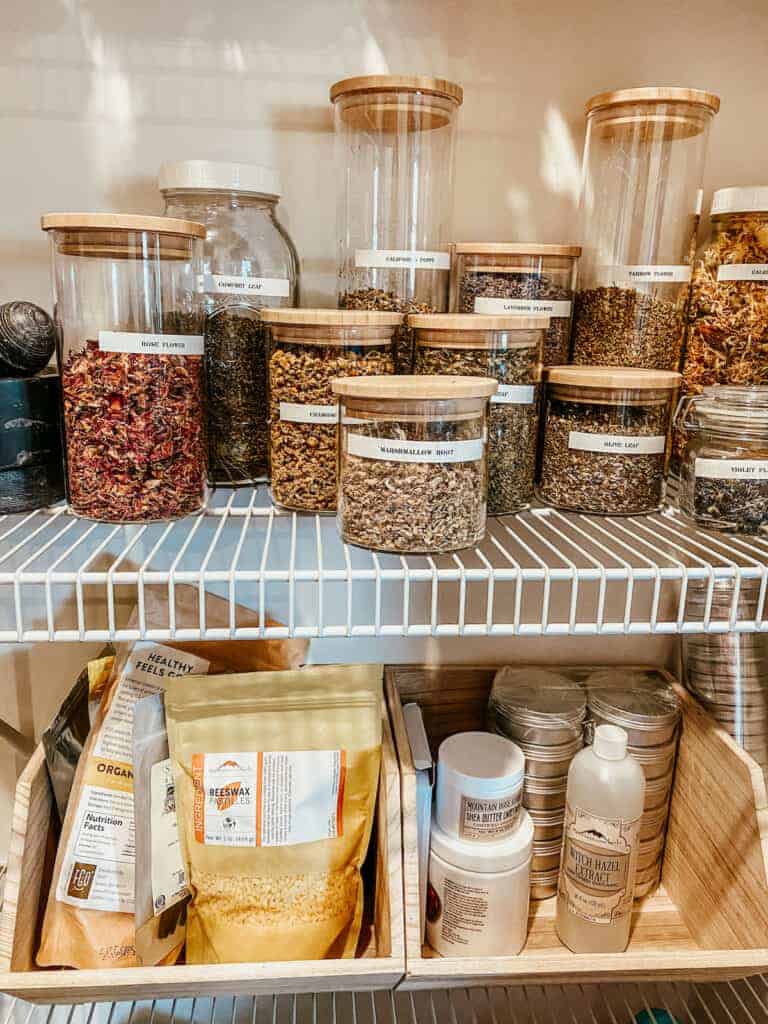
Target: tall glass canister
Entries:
(395, 140)
(641, 196)
(129, 322)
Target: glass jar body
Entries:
(604, 449)
(412, 474)
(395, 157)
(640, 208)
(249, 262)
(513, 358)
(498, 284)
(303, 412)
(130, 348)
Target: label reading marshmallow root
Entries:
(151, 344)
(743, 272)
(404, 259)
(617, 444)
(732, 469)
(414, 451)
(234, 284)
(272, 798)
(559, 308)
(294, 412)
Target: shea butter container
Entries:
(478, 893)
(479, 786)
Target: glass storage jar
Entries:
(605, 438)
(507, 349)
(724, 462)
(395, 138)
(307, 349)
(518, 279)
(640, 205)
(412, 462)
(728, 332)
(130, 345)
(248, 262)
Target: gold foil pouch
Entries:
(276, 777)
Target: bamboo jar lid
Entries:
(330, 317)
(476, 322)
(398, 83)
(515, 249)
(613, 377)
(416, 387)
(654, 94)
(122, 222)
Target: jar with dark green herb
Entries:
(249, 263)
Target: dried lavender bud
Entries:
(389, 302)
(615, 326)
(481, 285)
(512, 427)
(603, 482)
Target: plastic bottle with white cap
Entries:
(604, 807)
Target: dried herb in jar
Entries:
(625, 327)
(512, 427)
(389, 302)
(733, 505)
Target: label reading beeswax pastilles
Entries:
(269, 798)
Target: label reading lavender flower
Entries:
(151, 344)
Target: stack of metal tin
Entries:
(543, 712)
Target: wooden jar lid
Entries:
(398, 83)
(612, 377)
(416, 387)
(654, 94)
(477, 322)
(331, 317)
(515, 249)
(122, 222)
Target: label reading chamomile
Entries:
(645, 274)
(743, 272)
(732, 469)
(617, 444)
(514, 394)
(169, 879)
(481, 818)
(598, 867)
(404, 259)
(414, 451)
(234, 284)
(268, 798)
(558, 308)
(294, 412)
(151, 344)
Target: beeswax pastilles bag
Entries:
(276, 778)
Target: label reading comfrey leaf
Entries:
(151, 344)
(414, 451)
(617, 444)
(402, 258)
(234, 284)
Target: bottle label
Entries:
(489, 819)
(514, 394)
(732, 469)
(645, 274)
(237, 284)
(597, 874)
(524, 307)
(414, 451)
(151, 344)
(294, 412)
(404, 259)
(458, 912)
(169, 877)
(617, 444)
(743, 272)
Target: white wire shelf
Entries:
(540, 573)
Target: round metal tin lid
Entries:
(538, 696)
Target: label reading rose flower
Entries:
(145, 344)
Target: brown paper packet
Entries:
(276, 782)
(87, 938)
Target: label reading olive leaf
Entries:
(617, 444)
(732, 469)
(414, 451)
(743, 272)
(598, 866)
(483, 818)
(295, 412)
(151, 344)
(514, 394)
(645, 274)
(402, 258)
(523, 307)
(237, 284)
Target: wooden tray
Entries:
(380, 964)
(709, 921)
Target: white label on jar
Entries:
(743, 272)
(389, 450)
(403, 258)
(294, 412)
(169, 877)
(235, 284)
(484, 818)
(617, 444)
(151, 344)
(514, 394)
(732, 469)
(645, 274)
(524, 307)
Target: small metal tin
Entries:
(544, 884)
(655, 761)
(543, 762)
(649, 715)
(546, 856)
(650, 852)
(653, 824)
(544, 794)
(537, 706)
(657, 792)
(547, 825)
(647, 882)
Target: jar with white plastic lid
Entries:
(605, 436)
(478, 893)
(129, 325)
(724, 458)
(521, 279)
(508, 349)
(395, 141)
(413, 468)
(644, 157)
(249, 262)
